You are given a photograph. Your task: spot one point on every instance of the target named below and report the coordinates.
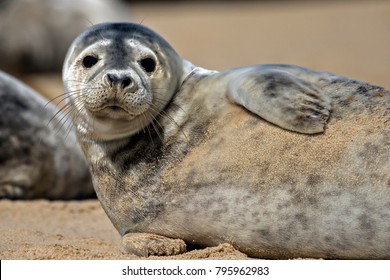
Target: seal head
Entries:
(119, 76)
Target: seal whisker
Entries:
(75, 114)
(164, 101)
(165, 114)
(155, 128)
(65, 96)
(80, 90)
(63, 113)
(60, 116)
(58, 113)
(77, 81)
(160, 101)
(70, 125)
(140, 124)
(101, 35)
(156, 120)
(146, 125)
(89, 21)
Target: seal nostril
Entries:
(111, 79)
(126, 82)
(122, 81)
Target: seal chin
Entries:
(107, 129)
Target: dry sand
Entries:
(351, 38)
(70, 230)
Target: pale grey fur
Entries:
(205, 167)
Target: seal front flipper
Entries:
(281, 98)
(11, 191)
(17, 182)
(147, 244)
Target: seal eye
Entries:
(148, 64)
(89, 61)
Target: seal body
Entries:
(209, 165)
(39, 156)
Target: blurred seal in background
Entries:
(39, 155)
(35, 34)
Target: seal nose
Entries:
(122, 81)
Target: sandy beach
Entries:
(350, 38)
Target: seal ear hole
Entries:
(89, 61)
(148, 64)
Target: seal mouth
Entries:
(113, 111)
(115, 108)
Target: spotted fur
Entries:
(211, 166)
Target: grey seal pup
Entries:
(39, 155)
(183, 155)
